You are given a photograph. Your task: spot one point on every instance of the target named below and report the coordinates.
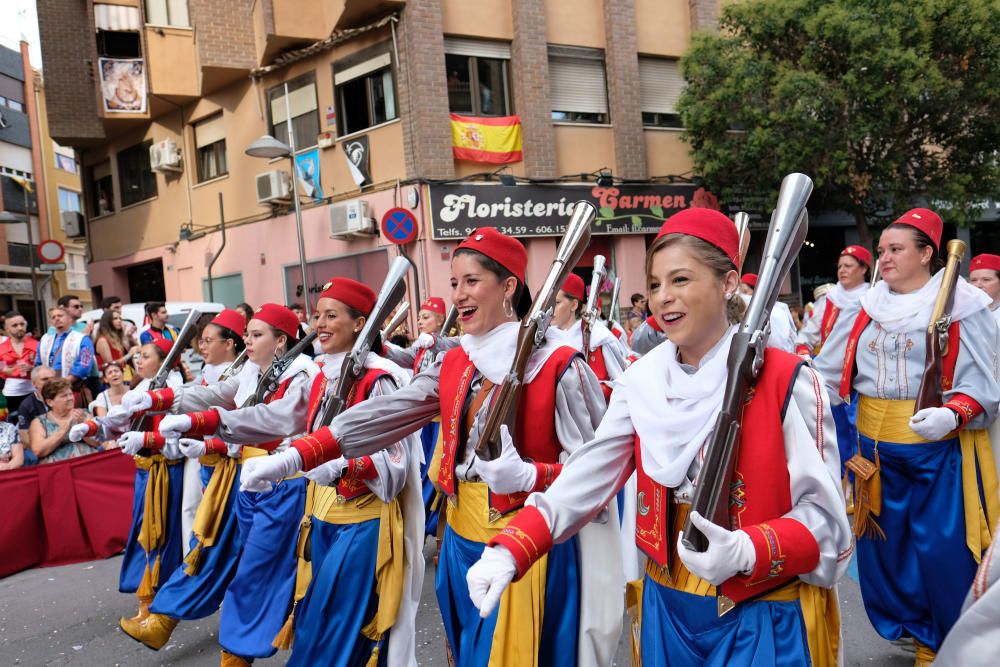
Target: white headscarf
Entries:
(573, 337)
(493, 352)
(674, 412)
(899, 313)
(844, 298)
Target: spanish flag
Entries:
(495, 140)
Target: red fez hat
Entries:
(863, 255)
(708, 225)
(505, 250)
(985, 261)
(279, 317)
(164, 345)
(749, 279)
(574, 287)
(926, 221)
(232, 320)
(435, 304)
(351, 293)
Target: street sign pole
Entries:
(31, 253)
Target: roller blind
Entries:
(102, 170)
(116, 17)
(301, 100)
(460, 46)
(577, 81)
(378, 62)
(660, 85)
(209, 131)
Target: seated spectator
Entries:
(49, 433)
(11, 449)
(114, 377)
(31, 407)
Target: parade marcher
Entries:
(155, 542)
(606, 356)
(790, 541)
(550, 618)
(984, 273)
(930, 497)
(195, 589)
(365, 539)
(259, 596)
(782, 323)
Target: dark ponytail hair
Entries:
(521, 300)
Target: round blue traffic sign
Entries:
(399, 226)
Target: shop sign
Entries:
(544, 210)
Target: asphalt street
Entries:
(67, 616)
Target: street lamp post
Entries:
(269, 147)
(8, 218)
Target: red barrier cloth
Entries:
(66, 512)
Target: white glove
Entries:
(424, 341)
(328, 473)
(259, 472)
(729, 552)
(934, 423)
(174, 426)
(137, 401)
(509, 473)
(77, 432)
(489, 577)
(172, 450)
(117, 419)
(191, 448)
(131, 442)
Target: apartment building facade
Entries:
(162, 98)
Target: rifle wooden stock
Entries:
(929, 395)
(534, 326)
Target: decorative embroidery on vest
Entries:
(446, 476)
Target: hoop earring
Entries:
(507, 306)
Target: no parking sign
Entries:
(399, 226)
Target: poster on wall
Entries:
(123, 84)
(308, 165)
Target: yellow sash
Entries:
(888, 421)
(152, 531)
(211, 511)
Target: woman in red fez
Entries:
(606, 356)
(195, 589)
(788, 540)
(984, 273)
(931, 503)
(550, 618)
(155, 542)
(252, 613)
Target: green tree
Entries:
(884, 103)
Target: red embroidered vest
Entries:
(760, 491)
(348, 488)
(830, 313)
(596, 363)
(535, 431)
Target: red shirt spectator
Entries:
(17, 358)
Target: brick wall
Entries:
(530, 72)
(69, 50)
(623, 88)
(224, 32)
(704, 14)
(423, 91)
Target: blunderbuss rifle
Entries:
(270, 379)
(789, 224)
(449, 320)
(534, 325)
(234, 367)
(397, 319)
(590, 312)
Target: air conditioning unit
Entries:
(350, 219)
(72, 224)
(274, 187)
(165, 156)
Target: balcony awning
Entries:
(116, 17)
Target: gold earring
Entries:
(508, 309)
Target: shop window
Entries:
(478, 77)
(167, 12)
(365, 91)
(102, 200)
(660, 86)
(305, 115)
(578, 85)
(210, 146)
(136, 180)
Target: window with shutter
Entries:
(660, 86)
(304, 108)
(364, 90)
(480, 66)
(136, 180)
(577, 84)
(102, 200)
(210, 148)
